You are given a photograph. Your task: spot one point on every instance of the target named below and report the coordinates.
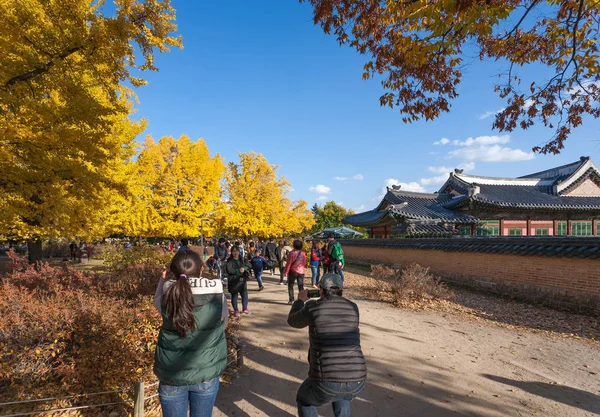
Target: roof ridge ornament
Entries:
(458, 171)
(474, 190)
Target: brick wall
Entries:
(562, 282)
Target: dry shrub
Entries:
(413, 286)
(65, 331)
(118, 257)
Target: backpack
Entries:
(337, 252)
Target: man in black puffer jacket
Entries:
(338, 369)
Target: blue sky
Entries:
(260, 76)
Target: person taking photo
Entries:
(191, 352)
(337, 367)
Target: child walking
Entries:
(258, 265)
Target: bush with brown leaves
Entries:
(65, 331)
(412, 286)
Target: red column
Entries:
(569, 227)
(554, 227)
(502, 227)
(594, 227)
(528, 228)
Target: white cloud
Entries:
(490, 113)
(357, 177)
(360, 208)
(321, 198)
(444, 171)
(483, 140)
(480, 148)
(467, 166)
(442, 141)
(340, 203)
(320, 189)
(495, 153)
(405, 186)
(440, 179)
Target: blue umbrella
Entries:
(338, 232)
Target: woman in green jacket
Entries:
(191, 352)
(237, 275)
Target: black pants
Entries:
(292, 276)
(281, 265)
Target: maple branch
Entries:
(41, 69)
(527, 10)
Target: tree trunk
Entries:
(34, 250)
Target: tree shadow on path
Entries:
(561, 393)
(276, 364)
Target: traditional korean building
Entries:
(561, 201)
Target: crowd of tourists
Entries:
(191, 351)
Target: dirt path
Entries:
(420, 364)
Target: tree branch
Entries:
(41, 69)
(527, 10)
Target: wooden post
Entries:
(240, 354)
(138, 399)
(528, 228)
(501, 228)
(554, 227)
(569, 227)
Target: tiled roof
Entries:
(526, 197)
(398, 205)
(560, 172)
(424, 229)
(371, 218)
(421, 206)
(556, 246)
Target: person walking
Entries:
(270, 254)
(185, 244)
(281, 253)
(315, 261)
(325, 260)
(191, 352)
(241, 246)
(237, 277)
(251, 250)
(221, 255)
(338, 370)
(258, 265)
(294, 269)
(73, 248)
(336, 255)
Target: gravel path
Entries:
(420, 364)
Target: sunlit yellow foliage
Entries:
(64, 107)
(174, 185)
(257, 202)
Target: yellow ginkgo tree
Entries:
(256, 202)
(175, 189)
(65, 97)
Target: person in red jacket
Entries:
(294, 269)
